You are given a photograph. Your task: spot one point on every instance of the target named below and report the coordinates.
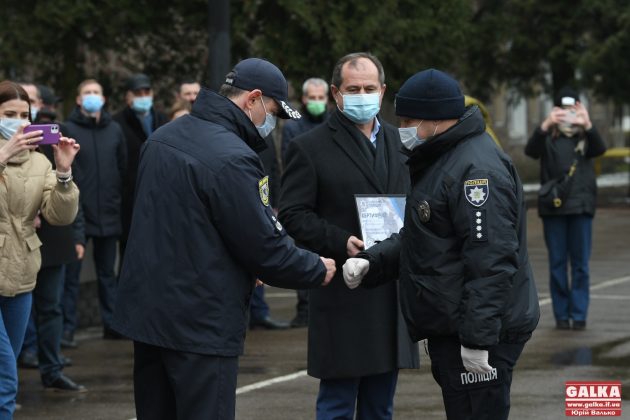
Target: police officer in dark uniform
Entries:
(202, 232)
(465, 279)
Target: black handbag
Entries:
(553, 193)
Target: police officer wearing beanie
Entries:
(465, 280)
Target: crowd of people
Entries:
(199, 206)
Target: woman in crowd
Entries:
(566, 144)
(28, 187)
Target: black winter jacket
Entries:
(202, 232)
(98, 170)
(135, 137)
(556, 155)
(462, 254)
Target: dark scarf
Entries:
(376, 157)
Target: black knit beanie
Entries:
(430, 95)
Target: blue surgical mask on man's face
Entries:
(409, 136)
(361, 108)
(9, 126)
(142, 104)
(92, 103)
(34, 112)
(268, 125)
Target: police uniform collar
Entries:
(471, 124)
(211, 106)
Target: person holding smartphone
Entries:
(565, 136)
(53, 194)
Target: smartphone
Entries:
(50, 133)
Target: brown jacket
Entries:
(28, 185)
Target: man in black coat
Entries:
(99, 172)
(138, 121)
(353, 152)
(202, 233)
(465, 279)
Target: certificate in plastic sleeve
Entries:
(379, 216)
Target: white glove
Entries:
(353, 271)
(475, 361)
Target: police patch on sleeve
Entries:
(263, 190)
(476, 191)
(479, 226)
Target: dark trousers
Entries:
(104, 261)
(372, 395)
(45, 326)
(71, 296)
(170, 384)
(302, 302)
(49, 321)
(468, 396)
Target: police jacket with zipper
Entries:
(202, 232)
(462, 255)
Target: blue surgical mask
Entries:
(268, 125)
(409, 136)
(142, 104)
(92, 103)
(361, 108)
(34, 111)
(9, 126)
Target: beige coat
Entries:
(28, 185)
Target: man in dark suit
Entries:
(357, 342)
(138, 121)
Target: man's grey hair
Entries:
(314, 81)
(352, 59)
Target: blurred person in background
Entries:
(565, 137)
(138, 120)
(188, 91)
(99, 174)
(28, 186)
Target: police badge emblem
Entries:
(424, 211)
(476, 191)
(263, 190)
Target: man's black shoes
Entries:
(267, 324)
(64, 384)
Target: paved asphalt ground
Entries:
(273, 384)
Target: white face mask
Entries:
(409, 136)
(9, 126)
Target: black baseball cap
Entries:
(138, 81)
(256, 73)
(48, 96)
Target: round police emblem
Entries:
(424, 211)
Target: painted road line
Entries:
(269, 382)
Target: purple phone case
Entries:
(50, 132)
